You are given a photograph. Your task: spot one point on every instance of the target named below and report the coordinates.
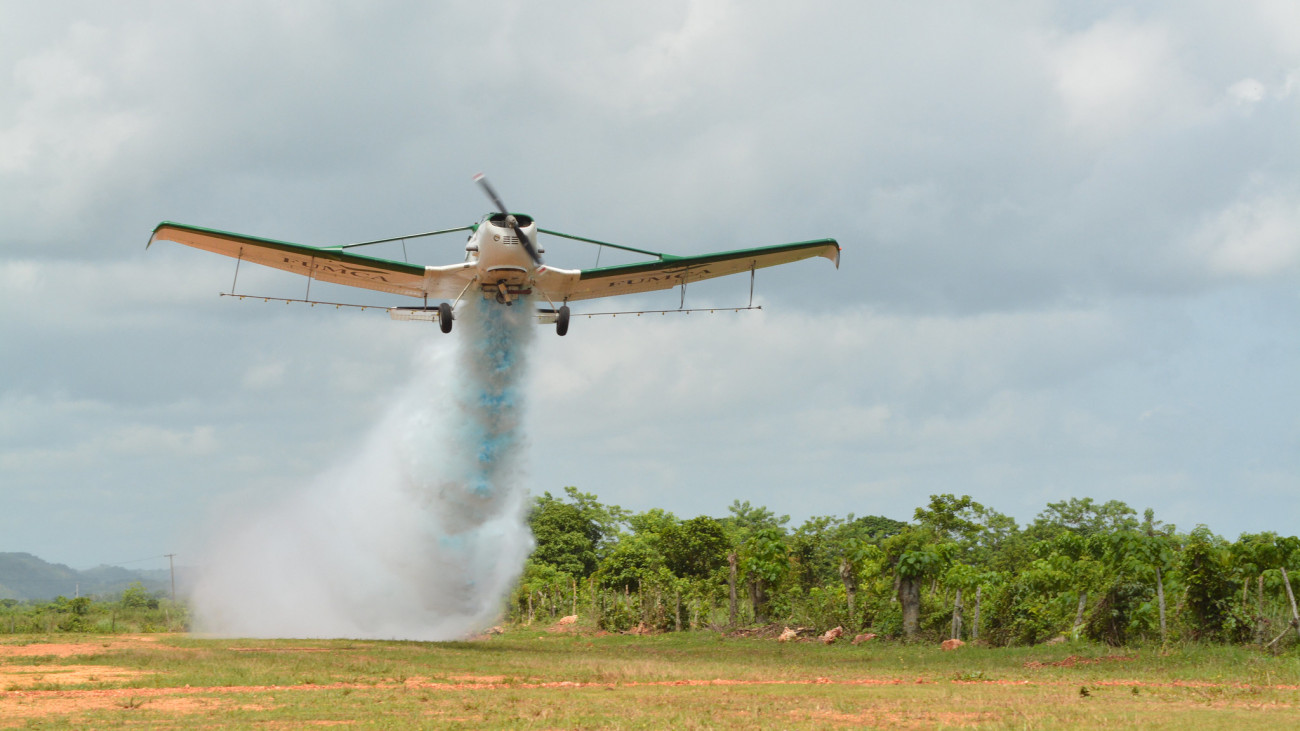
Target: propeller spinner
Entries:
(510, 219)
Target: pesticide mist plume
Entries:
(418, 535)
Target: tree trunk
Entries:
(975, 620)
(909, 596)
(1295, 616)
(1078, 615)
(758, 599)
(731, 586)
(956, 616)
(1259, 609)
(1160, 595)
(850, 580)
(677, 611)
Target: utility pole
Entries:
(171, 566)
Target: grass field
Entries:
(541, 679)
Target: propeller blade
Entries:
(501, 208)
(496, 200)
(528, 245)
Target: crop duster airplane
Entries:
(502, 261)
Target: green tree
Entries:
(1138, 559)
(765, 561)
(695, 549)
(951, 518)
(746, 519)
(634, 562)
(566, 538)
(875, 528)
(608, 519)
(814, 553)
(1086, 517)
(136, 597)
(916, 555)
(1205, 566)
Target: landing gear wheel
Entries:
(444, 317)
(562, 320)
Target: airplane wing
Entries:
(671, 271)
(329, 264)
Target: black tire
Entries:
(444, 317)
(562, 320)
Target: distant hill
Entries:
(24, 576)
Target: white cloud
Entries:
(88, 438)
(1246, 92)
(69, 123)
(1256, 237)
(657, 73)
(265, 375)
(1120, 75)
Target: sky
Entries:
(1070, 231)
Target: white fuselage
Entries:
(502, 262)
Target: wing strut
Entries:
(752, 267)
(410, 236)
(463, 291)
(237, 260)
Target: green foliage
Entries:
(745, 520)
(876, 528)
(1119, 616)
(566, 537)
(1081, 567)
(89, 614)
(1085, 517)
(633, 563)
(1018, 615)
(696, 548)
(1205, 569)
(136, 596)
(953, 518)
(764, 559)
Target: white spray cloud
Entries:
(416, 536)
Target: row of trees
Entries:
(135, 610)
(959, 569)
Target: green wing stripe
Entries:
(330, 264)
(329, 253)
(813, 248)
(671, 271)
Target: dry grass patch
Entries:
(73, 705)
(18, 677)
(95, 646)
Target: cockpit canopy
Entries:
(499, 220)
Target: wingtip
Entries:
(153, 235)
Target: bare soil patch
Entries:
(123, 700)
(280, 649)
(1073, 660)
(69, 649)
(15, 677)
